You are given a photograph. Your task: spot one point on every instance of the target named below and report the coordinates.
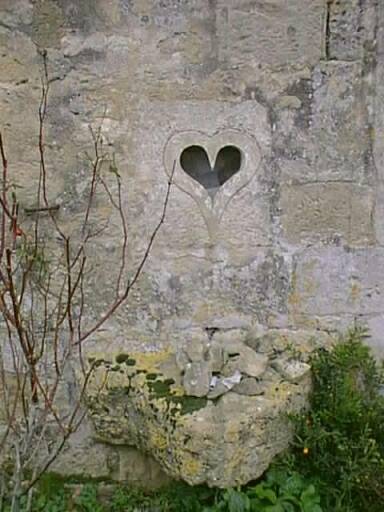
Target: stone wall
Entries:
(287, 238)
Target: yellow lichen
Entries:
(189, 465)
(151, 361)
(158, 440)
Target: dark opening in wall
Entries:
(194, 161)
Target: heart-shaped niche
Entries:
(211, 168)
(195, 162)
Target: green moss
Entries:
(178, 404)
(121, 358)
(130, 362)
(51, 483)
(189, 404)
(151, 376)
(159, 389)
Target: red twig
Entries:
(45, 313)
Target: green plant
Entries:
(51, 503)
(129, 500)
(282, 492)
(87, 500)
(42, 503)
(339, 442)
(178, 497)
(278, 491)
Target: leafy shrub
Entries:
(340, 442)
(179, 497)
(87, 500)
(279, 491)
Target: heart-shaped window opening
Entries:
(194, 161)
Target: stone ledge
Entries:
(139, 400)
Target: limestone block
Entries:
(328, 137)
(377, 128)
(15, 12)
(334, 281)
(83, 457)
(215, 357)
(341, 140)
(270, 33)
(230, 339)
(333, 287)
(247, 362)
(48, 20)
(197, 220)
(197, 378)
(249, 386)
(182, 359)
(299, 341)
(375, 324)
(223, 441)
(138, 469)
(328, 212)
(196, 345)
(351, 27)
(238, 356)
(292, 370)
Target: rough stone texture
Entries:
(84, 458)
(223, 437)
(246, 361)
(197, 378)
(338, 212)
(292, 242)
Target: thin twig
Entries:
(122, 298)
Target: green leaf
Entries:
(309, 493)
(312, 508)
(276, 477)
(289, 507)
(274, 508)
(237, 501)
(263, 492)
(294, 484)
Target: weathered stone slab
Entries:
(249, 386)
(292, 370)
(328, 212)
(334, 287)
(351, 27)
(270, 32)
(227, 438)
(334, 281)
(327, 137)
(196, 379)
